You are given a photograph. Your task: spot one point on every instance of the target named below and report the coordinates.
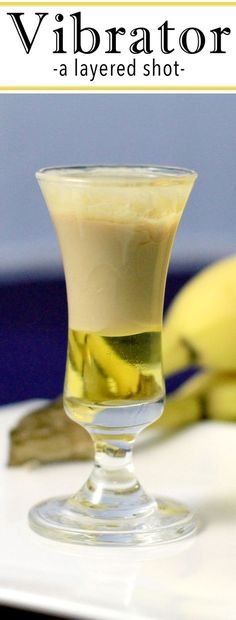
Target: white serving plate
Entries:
(190, 580)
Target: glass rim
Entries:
(110, 173)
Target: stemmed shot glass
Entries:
(115, 226)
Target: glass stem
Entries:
(114, 466)
(112, 489)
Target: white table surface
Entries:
(192, 580)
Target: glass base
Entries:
(60, 519)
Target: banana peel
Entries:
(47, 435)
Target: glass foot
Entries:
(61, 519)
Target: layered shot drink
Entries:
(115, 228)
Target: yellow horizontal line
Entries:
(116, 88)
(117, 4)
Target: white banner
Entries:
(118, 46)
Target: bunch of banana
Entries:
(200, 326)
(199, 330)
(207, 394)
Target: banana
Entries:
(200, 326)
(126, 375)
(185, 405)
(206, 395)
(221, 400)
(97, 383)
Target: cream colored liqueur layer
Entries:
(115, 235)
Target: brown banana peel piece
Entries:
(48, 435)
